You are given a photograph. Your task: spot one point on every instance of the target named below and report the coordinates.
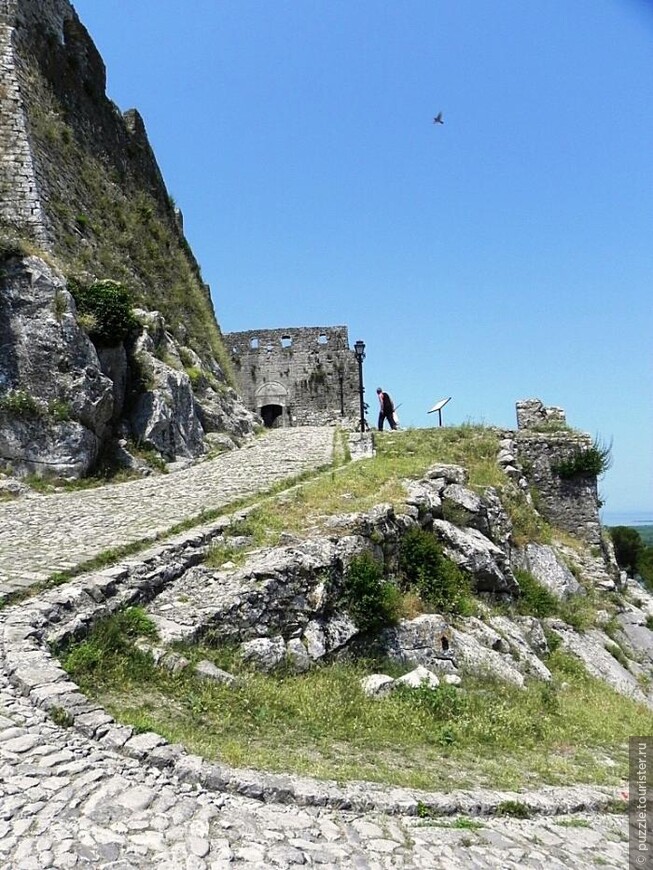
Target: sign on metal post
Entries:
(438, 407)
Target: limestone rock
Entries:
(467, 506)
(224, 412)
(425, 640)
(423, 495)
(66, 449)
(208, 671)
(590, 648)
(45, 356)
(377, 685)
(499, 523)
(549, 570)
(297, 655)
(475, 658)
(264, 653)
(477, 555)
(164, 416)
(448, 473)
(420, 676)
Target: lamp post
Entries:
(359, 350)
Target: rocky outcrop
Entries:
(479, 556)
(80, 183)
(55, 401)
(549, 570)
(64, 401)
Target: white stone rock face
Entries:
(47, 357)
(592, 648)
(548, 569)
(475, 553)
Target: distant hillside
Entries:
(645, 533)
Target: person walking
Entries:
(386, 409)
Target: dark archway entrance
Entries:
(271, 399)
(271, 415)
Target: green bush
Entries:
(586, 461)
(109, 304)
(426, 570)
(628, 547)
(372, 602)
(534, 599)
(632, 554)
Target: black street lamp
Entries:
(359, 350)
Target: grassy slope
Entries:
(321, 724)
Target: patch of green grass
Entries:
(320, 723)
(108, 654)
(527, 524)
(19, 404)
(573, 823)
(616, 807)
(617, 653)
(534, 599)
(465, 824)
(61, 717)
(221, 551)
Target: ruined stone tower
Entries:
(296, 377)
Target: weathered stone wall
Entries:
(532, 413)
(79, 178)
(44, 39)
(20, 200)
(309, 374)
(571, 504)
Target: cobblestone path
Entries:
(43, 534)
(67, 801)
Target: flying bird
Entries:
(438, 119)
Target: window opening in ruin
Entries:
(286, 341)
(272, 416)
(254, 344)
(322, 338)
(269, 348)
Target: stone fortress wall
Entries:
(21, 185)
(53, 111)
(542, 440)
(298, 376)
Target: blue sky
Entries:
(507, 254)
